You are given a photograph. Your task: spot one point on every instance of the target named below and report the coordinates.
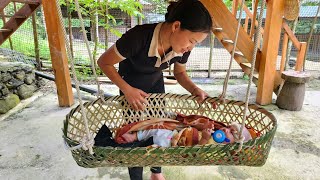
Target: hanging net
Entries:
(116, 112)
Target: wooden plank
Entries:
(300, 57)
(284, 52)
(58, 53)
(223, 18)
(3, 4)
(291, 35)
(14, 23)
(271, 38)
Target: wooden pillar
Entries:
(271, 39)
(58, 53)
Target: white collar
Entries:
(153, 49)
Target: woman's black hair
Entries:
(192, 15)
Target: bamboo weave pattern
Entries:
(117, 112)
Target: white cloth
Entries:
(161, 137)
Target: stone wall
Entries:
(17, 82)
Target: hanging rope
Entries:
(100, 93)
(239, 138)
(87, 141)
(254, 57)
(225, 84)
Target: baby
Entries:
(187, 136)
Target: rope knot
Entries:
(87, 143)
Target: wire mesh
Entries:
(198, 64)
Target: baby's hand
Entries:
(130, 137)
(206, 133)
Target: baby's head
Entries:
(232, 131)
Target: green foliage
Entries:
(304, 26)
(311, 3)
(160, 6)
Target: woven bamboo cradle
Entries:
(116, 112)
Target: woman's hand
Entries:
(136, 98)
(200, 94)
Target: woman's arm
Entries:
(181, 75)
(106, 62)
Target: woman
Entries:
(145, 50)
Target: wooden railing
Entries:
(300, 46)
(249, 16)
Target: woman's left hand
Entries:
(202, 95)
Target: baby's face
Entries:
(229, 134)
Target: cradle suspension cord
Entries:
(226, 80)
(240, 139)
(100, 93)
(87, 141)
(254, 55)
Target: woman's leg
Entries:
(135, 173)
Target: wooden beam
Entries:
(271, 39)
(58, 53)
(4, 3)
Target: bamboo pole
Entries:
(36, 41)
(70, 28)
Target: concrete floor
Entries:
(31, 145)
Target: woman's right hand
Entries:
(136, 98)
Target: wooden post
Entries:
(301, 55)
(271, 38)
(253, 20)
(284, 52)
(235, 5)
(58, 53)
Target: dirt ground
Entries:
(32, 146)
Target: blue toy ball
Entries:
(219, 136)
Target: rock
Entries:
(5, 77)
(13, 66)
(28, 69)
(13, 83)
(5, 91)
(8, 103)
(29, 78)
(20, 75)
(25, 91)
